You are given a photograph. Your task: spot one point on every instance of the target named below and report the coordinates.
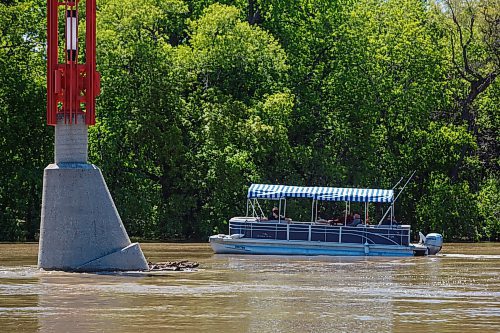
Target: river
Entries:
(458, 290)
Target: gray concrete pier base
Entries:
(81, 229)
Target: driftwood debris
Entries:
(173, 266)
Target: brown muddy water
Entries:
(456, 291)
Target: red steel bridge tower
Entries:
(72, 86)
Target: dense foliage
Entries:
(201, 98)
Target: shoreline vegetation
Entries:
(199, 99)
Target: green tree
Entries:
(174, 121)
(489, 208)
(449, 208)
(201, 98)
(473, 32)
(25, 140)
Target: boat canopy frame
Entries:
(319, 193)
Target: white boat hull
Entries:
(224, 244)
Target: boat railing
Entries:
(308, 231)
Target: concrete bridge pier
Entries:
(81, 229)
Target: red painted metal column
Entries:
(92, 76)
(71, 86)
(52, 61)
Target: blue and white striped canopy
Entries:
(264, 191)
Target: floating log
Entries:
(173, 266)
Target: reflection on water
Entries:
(456, 291)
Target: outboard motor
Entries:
(434, 243)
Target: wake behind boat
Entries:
(256, 234)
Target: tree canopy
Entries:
(201, 98)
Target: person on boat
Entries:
(348, 219)
(276, 216)
(356, 220)
(336, 220)
(387, 221)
